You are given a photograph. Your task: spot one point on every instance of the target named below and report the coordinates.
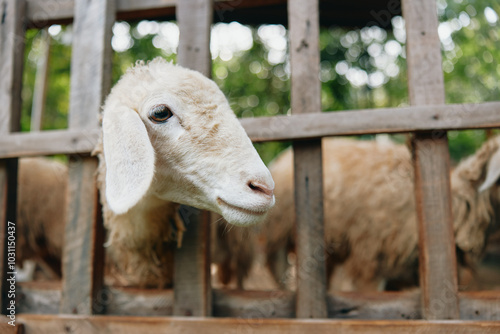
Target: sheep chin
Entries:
(241, 216)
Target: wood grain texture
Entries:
(42, 324)
(90, 61)
(11, 63)
(373, 121)
(294, 127)
(49, 142)
(306, 97)
(11, 67)
(90, 80)
(437, 259)
(42, 298)
(81, 287)
(194, 18)
(192, 289)
(43, 12)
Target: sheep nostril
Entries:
(259, 187)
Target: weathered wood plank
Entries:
(90, 80)
(192, 290)
(294, 127)
(81, 251)
(41, 13)
(195, 18)
(11, 63)
(11, 68)
(306, 97)
(42, 298)
(41, 83)
(41, 324)
(437, 259)
(48, 143)
(373, 121)
(482, 305)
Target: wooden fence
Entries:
(81, 296)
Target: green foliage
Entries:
(472, 53)
(360, 68)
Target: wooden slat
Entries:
(438, 272)
(195, 18)
(41, 83)
(253, 12)
(11, 63)
(42, 298)
(90, 80)
(294, 127)
(42, 12)
(41, 324)
(11, 68)
(48, 143)
(479, 305)
(306, 97)
(192, 290)
(373, 121)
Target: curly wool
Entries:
(370, 217)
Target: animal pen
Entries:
(87, 306)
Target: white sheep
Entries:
(169, 138)
(41, 214)
(370, 217)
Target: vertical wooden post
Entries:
(83, 255)
(306, 98)
(438, 277)
(192, 290)
(12, 33)
(41, 81)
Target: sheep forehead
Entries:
(158, 75)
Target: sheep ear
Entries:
(129, 158)
(492, 172)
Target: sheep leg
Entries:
(277, 263)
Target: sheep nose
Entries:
(261, 188)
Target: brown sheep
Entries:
(41, 214)
(370, 218)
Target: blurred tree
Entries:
(360, 68)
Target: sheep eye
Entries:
(160, 113)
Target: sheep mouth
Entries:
(238, 208)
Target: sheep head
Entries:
(476, 192)
(169, 133)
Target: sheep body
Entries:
(370, 217)
(41, 213)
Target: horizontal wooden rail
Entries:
(110, 324)
(295, 127)
(48, 143)
(41, 13)
(373, 121)
(43, 297)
